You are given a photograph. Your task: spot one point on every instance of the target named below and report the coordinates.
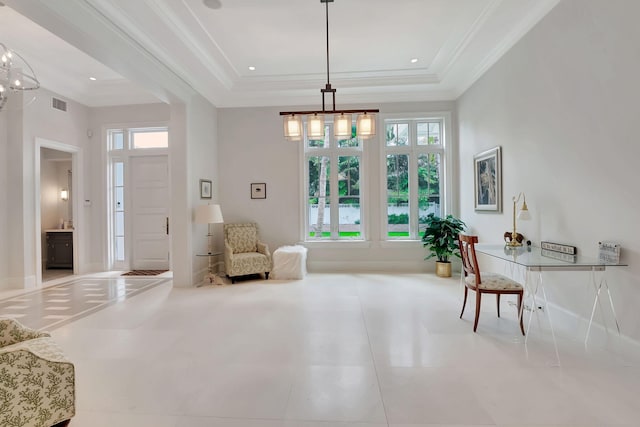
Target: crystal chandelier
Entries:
(15, 74)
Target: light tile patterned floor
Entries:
(332, 350)
(57, 305)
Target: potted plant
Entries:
(441, 237)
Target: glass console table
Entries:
(210, 276)
(535, 259)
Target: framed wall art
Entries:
(258, 190)
(205, 189)
(488, 180)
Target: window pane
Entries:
(116, 140)
(319, 206)
(322, 143)
(428, 187)
(435, 133)
(119, 223)
(149, 139)
(118, 171)
(398, 195)
(349, 226)
(119, 249)
(119, 203)
(429, 133)
(397, 134)
(350, 142)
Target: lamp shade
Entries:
(293, 127)
(366, 125)
(208, 214)
(315, 126)
(64, 195)
(342, 125)
(524, 212)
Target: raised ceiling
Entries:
(146, 50)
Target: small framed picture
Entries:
(205, 189)
(258, 190)
(488, 180)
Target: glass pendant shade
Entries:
(315, 126)
(524, 212)
(366, 125)
(293, 127)
(342, 125)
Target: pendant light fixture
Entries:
(16, 75)
(365, 122)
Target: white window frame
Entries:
(334, 152)
(414, 150)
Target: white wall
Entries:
(253, 149)
(563, 104)
(4, 195)
(35, 120)
(202, 132)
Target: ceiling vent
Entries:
(58, 104)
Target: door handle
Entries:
(167, 226)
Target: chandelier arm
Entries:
(301, 113)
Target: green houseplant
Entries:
(441, 237)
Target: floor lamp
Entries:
(209, 214)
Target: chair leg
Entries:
(520, 313)
(478, 298)
(266, 275)
(464, 303)
(498, 303)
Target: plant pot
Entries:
(443, 269)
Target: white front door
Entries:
(150, 212)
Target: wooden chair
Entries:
(484, 283)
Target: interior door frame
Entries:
(77, 186)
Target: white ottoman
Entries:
(289, 262)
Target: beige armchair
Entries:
(244, 254)
(37, 382)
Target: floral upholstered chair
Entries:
(37, 382)
(244, 254)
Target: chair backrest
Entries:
(242, 237)
(12, 332)
(468, 253)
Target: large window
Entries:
(333, 194)
(409, 178)
(414, 154)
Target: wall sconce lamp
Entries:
(64, 195)
(523, 215)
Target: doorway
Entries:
(57, 249)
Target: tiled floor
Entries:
(62, 303)
(337, 350)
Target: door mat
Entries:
(144, 272)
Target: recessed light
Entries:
(212, 4)
(414, 60)
(252, 68)
(93, 79)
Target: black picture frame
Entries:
(258, 190)
(487, 178)
(206, 189)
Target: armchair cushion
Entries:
(37, 381)
(242, 238)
